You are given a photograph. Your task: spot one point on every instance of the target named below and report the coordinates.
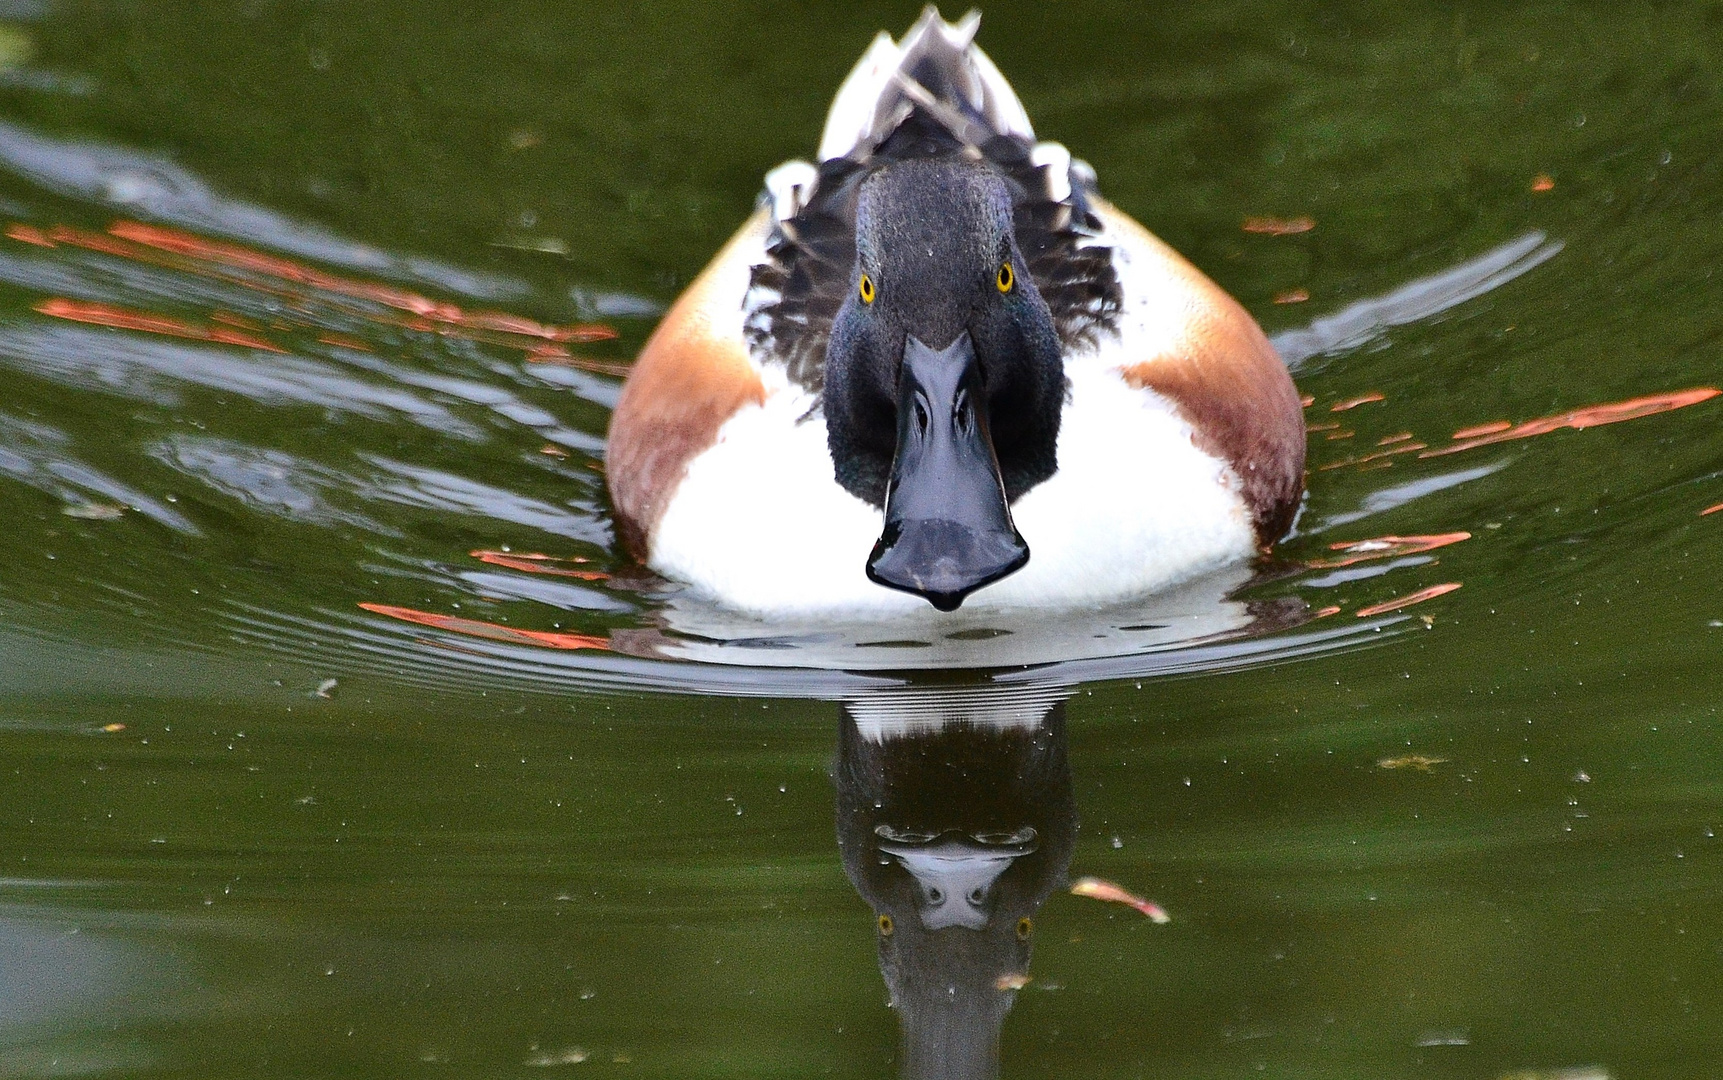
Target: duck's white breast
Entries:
(760, 524)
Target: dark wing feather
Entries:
(794, 295)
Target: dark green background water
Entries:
(471, 855)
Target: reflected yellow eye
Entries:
(1006, 278)
(885, 924)
(867, 298)
(1024, 929)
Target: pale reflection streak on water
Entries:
(1360, 323)
(160, 372)
(41, 456)
(155, 187)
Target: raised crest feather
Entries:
(932, 93)
(937, 66)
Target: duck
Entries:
(935, 365)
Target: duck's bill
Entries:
(954, 879)
(948, 528)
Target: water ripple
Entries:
(41, 457)
(155, 371)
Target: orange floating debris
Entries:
(1323, 613)
(1483, 429)
(113, 727)
(344, 341)
(123, 319)
(1333, 435)
(1385, 547)
(555, 354)
(489, 630)
(1353, 403)
(1710, 510)
(1292, 296)
(534, 563)
(552, 450)
(1011, 982)
(234, 337)
(1098, 889)
(28, 234)
(290, 280)
(1273, 226)
(1307, 400)
(94, 241)
(1407, 601)
(1390, 440)
(437, 313)
(1543, 182)
(119, 318)
(231, 319)
(1588, 417)
(1402, 448)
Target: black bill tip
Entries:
(944, 561)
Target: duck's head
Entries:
(943, 382)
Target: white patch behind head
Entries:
(790, 186)
(1055, 161)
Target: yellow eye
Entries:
(1024, 929)
(885, 924)
(1006, 278)
(867, 298)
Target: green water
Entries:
(1473, 844)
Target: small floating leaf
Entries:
(1385, 547)
(574, 1055)
(1411, 761)
(1353, 403)
(1407, 601)
(1591, 416)
(1483, 429)
(1273, 226)
(532, 562)
(1098, 889)
(492, 631)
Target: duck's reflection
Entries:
(956, 821)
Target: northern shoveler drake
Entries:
(937, 363)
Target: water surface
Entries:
(338, 738)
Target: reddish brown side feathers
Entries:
(692, 375)
(1226, 380)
